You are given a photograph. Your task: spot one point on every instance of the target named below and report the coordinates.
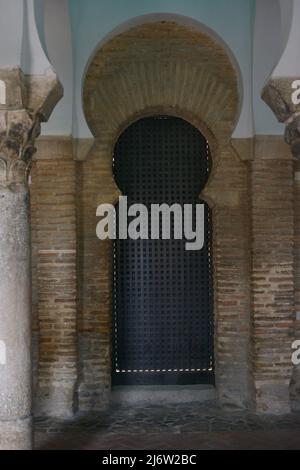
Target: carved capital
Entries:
(18, 131)
(26, 102)
(278, 95)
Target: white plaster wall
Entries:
(289, 64)
(94, 20)
(276, 54)
(20, 45)
(286, 14)
(35, 45)
(267, 49)
(33, 59)
(11, 33)
(57, 36)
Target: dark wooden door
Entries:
(163, 294)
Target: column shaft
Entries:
(295, 384)
(15, 320)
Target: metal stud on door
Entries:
(163, 294)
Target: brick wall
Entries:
(54, 275)
(158, 69)
(229, 191)
(252, 198)
(254, 329)
(95, 185)
(229, 196)
(273, 273)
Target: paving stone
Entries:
(185, 426)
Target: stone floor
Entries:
(178, 427)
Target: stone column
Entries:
(15, 305)
(19, 126)
(292, 137)
(295, 384)
(279, 95)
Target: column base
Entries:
(235, 391)
(56, 402)
(233, 400)
(295, 389)
(273, 398)
(16, 434)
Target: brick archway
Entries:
(165, 68)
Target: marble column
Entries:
(292, 137)
(19, 126)
(15, 288)
(278, 95)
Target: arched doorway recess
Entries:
(164, 68)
